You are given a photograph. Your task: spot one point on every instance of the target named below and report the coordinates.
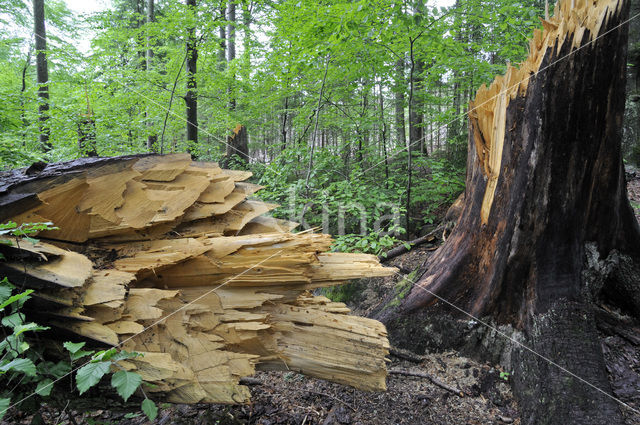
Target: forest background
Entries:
(355, 111)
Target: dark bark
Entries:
(231, 47)
(42, 72)
(238, 145)
(152, 139)
(191, 98)
(19, 188)
(554, 237)
(222, 51)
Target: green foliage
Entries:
(24, 370)
(150, 409)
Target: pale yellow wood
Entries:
(572, 20)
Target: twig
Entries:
(435, 381)
(250, 381)
(335, 398)
(406, 355)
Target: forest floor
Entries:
(291, 398)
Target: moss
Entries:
(402, 289)
(343, 293)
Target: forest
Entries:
(363, 120)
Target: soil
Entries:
(291, 398)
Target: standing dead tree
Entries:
(546, 230)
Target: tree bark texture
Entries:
(546, 227)
(42, 73)
(152, 139)
(191, 98)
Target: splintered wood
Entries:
(167, 257)
(574, 21)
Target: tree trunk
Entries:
(546, 228)
(238, 145)
(231, 46)
(222, 51)
(42, 72)
(152, 139)
(191, 98)
(416, 131)
(399, 103)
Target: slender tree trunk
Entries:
(23, 88)
(231, 45)
(222, 36)
(399, 89)
(383, 135)
(283, 129)
(42, 72)
(546, 229)
(152, 139)
(412, 65)
(416, 130)
(317, 118)
(191, 98)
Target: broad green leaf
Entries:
(73, 347)
(44, 387)
(15, 298)
(90, 374)
(59, 369)
(5, 292)
(104, 355)
(13, 320)
(150, 409)
(4, 406)
(18, 330)
(25, 366)
(75, 351)
(125, 383)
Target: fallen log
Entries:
(169, 258)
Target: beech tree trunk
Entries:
(152, 138)
(399, 103)
(42, 73)
(191, 98)
(546, 229)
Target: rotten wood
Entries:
(167, 257)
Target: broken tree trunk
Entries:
(546, 228)
(168, 257)
(238, 144)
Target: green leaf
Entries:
(75, 351)
(90, 374)
(18, 330)
(15, 298)
(44, 387)
(5, 293)
(4, 406)
(13, 320)
(150, 409)
(104, 355)
(25, 366)
(125, 383)
(73, 347)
